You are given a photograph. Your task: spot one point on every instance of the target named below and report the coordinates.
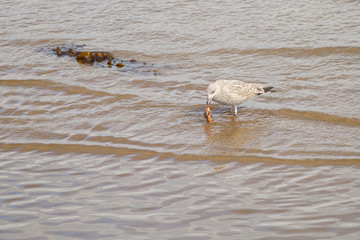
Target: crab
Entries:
(207, 113)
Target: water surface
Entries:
(91, 152)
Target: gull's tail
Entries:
(268, 89)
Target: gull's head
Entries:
(212, 90)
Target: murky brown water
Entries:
(90, 152)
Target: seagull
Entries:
(233, 92)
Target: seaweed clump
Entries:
(85, 56)
(91, 57)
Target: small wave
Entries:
(339, 158)
(60, 87)
(318, 116)
(292, 52)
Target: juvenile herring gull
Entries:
(233, 92)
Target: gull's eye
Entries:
(213, 91)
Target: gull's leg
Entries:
(234, 110)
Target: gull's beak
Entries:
(208, 100)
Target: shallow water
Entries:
(91, 152)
